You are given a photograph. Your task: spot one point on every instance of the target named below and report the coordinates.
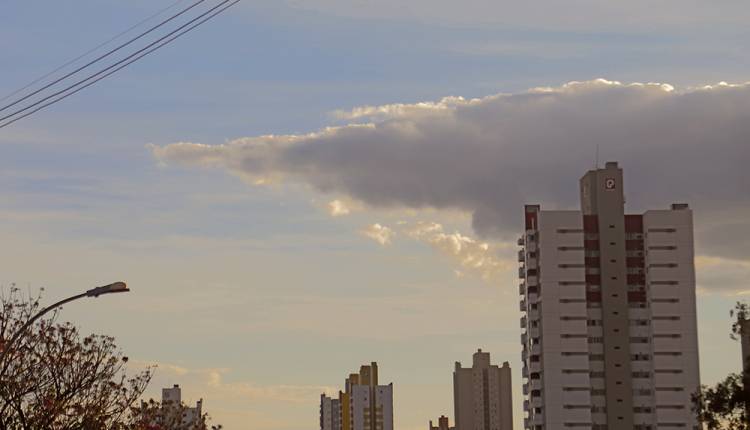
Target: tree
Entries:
(726, 406)
(55, 378)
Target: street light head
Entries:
(116, 287)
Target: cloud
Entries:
(338, 208)
(234, 403)
(472, 255)
(379, 233)
(489, 156)
(721, 275)
(213, 380)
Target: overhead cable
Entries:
(105, 55)
(165, 42)
(124, 60)
(94, 49)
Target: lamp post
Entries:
(117, 287)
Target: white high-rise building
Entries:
(363, 405)
(609, 314)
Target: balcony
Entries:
(523, 321)
(536, 349)
(526, 405)
(520, 241)
(524, 338)
(522, 305)
(536, 402)
(522, 272)
(526, 389)
(521, 256)
(525, 372)
(522, 288)
(535, 384)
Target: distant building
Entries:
(363, 405)
(443, 424)
(172, 397)
(330, 413)
(609, 313)
(482, 395)
(745, 339)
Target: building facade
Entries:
(609, 328)
(363, 405)
(443, 424)
(172, 398)
(745, 343)
(330, 413)
(482, 395)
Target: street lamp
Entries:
(117, 287)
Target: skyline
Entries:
(94, 189)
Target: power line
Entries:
(105, 43)
(38, 102)
(7, 123)
(96, 60)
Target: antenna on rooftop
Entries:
(596, 160)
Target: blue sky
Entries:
(256, 298)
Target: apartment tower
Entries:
(443, 424)
(482, 395)
(363, 405)
(609, 318)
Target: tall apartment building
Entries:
(443, 424)
(609, 317)
(172, 397)
(363, 405)
(330, 413)
(482, 395)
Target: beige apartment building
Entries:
(482, 395)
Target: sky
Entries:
(298, 188)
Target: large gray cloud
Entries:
(489, 156)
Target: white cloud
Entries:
(379, 233)
(472, 255)
(338, 208)
(487, 157)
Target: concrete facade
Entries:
(330, 413)
(609, 328)
(173, 397)
(363, 405)
(482, 395)
(745, 341)
(443, 424)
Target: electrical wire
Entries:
(9, 122)
(94, 49)
(101, 57)
(38, 102)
